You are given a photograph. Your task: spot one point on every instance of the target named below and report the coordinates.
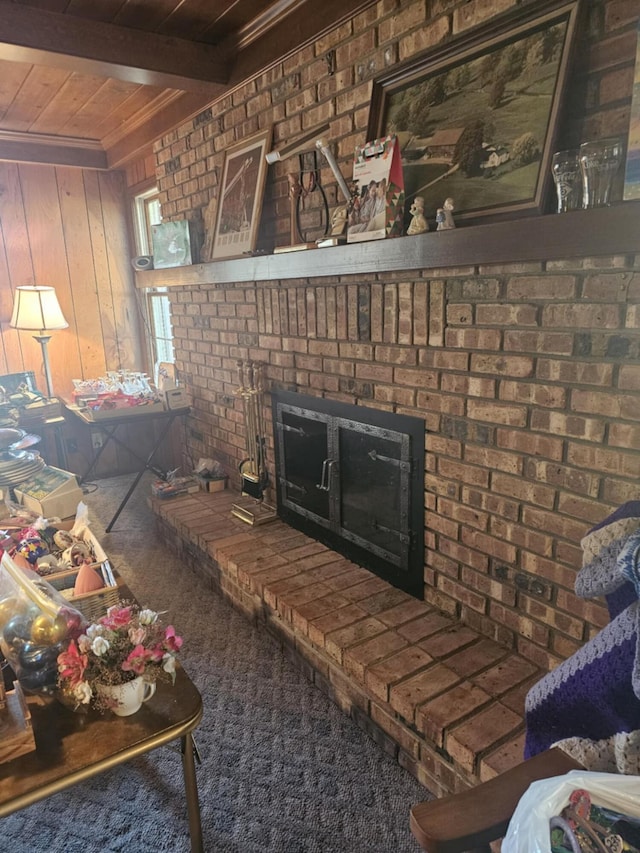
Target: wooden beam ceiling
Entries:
(192, 74)
(56, 150)
(105, 50)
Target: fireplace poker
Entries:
(259, 386)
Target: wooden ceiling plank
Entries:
(192, 18)
(95, 10)
(40, 86)
(236, 17)
(12, 77)
(45, 5)
(138, 14)
(138, 101)
(105, 101)
(67, 102)
(106, 50)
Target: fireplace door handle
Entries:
(378, 457)
(325, 480)
(293, 487)
(322, 485)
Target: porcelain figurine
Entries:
(418, 224)
(444, 216)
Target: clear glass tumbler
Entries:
(599, 162)
(567, 176)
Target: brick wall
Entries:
(526, 375)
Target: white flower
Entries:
(100, 646)
(137, 636)
(82, 692)
(84, 644)
(147, 617)
(94, 631)
(169, 664)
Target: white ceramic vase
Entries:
(126, 699)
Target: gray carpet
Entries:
(283, 770)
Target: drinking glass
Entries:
(599, 162)
(565, 168)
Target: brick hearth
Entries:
(446, 701)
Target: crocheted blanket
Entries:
(590, 705)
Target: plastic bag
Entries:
(36, 624)
(528, 830)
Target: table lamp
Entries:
(36, 309)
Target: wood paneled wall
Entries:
(67, 228)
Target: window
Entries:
(146, 212)
(156, 312)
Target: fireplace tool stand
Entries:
(253, 508)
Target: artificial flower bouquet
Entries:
(126, 643)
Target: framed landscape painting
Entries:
(240, 197)
(476, 118)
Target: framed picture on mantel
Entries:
(476, 117)
(240, 197)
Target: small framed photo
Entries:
(476, 117)
(240, 197)
(171, 244)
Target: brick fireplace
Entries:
(526, 378)
(516, 343)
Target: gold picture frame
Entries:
(240, 197)
(476, 117)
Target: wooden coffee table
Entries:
(73, 747)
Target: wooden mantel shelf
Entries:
(583, 233)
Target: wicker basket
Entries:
(94, 604)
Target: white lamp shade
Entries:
(36, 308)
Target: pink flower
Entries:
(117, 617)
(137, 660)
(172, 641)
(157, 653)
(71, 664)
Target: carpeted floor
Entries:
(283, 770)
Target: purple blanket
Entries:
(590, 704)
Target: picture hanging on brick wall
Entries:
(476, 117)
(240, 197)
(632, 173)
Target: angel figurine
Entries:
(418, 224)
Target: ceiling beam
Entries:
(39, 37)
(19, 147)
(263, 42)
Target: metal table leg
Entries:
(146, 466)
(191, 790)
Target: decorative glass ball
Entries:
(32, 549)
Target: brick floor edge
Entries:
(445, 701)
